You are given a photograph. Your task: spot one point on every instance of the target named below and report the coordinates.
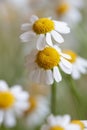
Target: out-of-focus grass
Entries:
(11, 56)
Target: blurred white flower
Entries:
(69, 11)
(79, 64)
(60, 123)
(44, 65)
(38, 110)
(13, 102)
(81, 123)
(43, 30)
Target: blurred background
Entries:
(13, 13)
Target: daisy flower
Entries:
(79, 65)
(44, 31)
(13, 102)
(68, 10)
(37, 111)
(60, 123)
(81, 123)
(44, 65)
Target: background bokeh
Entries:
(12, 52)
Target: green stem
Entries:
(76, 96)
(54, 98)
(73, 88)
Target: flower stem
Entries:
(54, 98)
(73, 88)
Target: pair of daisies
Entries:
(64, 123)
(45, 62)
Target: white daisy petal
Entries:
(82, 69)
(66, 63)
(60, 23)
(26, 27)
(65, 69)
(9, 120)
(48, 39)
(33, 18)
(41, 42)
(61, 27)
(66, 120)
(73, 127)
(27, 36)
(57, 37)
(22, 106)
(1, 116)
(3, 85)
(49, 77)
(75, 73)
(16, 89)
(66, 56)
(56, 74)
(23, 96)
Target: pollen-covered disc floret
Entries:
(60, 123)
(56, 128)
(44, 31)
(62, 9)
(44, 65)
(79, 65)
(13, 102)
(43, 26)
(48, 58)
(7, 99)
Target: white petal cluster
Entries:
(8, 115)
(62, 122)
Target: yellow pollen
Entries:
(62, 9)
(78, 122)
(56, 128)
(6, 100)
(72, 54)
(33, 105)
(43, 25)
(48, 58)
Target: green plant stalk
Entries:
(73, 88)
(54, 98)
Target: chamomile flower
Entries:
(79, 64)
(37, 111)
(60, 123)
(13, 102)
(68, 10)
(44, 31)
(44, 65)
(81, 123)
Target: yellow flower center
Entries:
(6, 100)
(62, 9)
(56, 128)
(72, 54)
(43, 25)
(48, 58)
(33, 105)
(78, 122)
